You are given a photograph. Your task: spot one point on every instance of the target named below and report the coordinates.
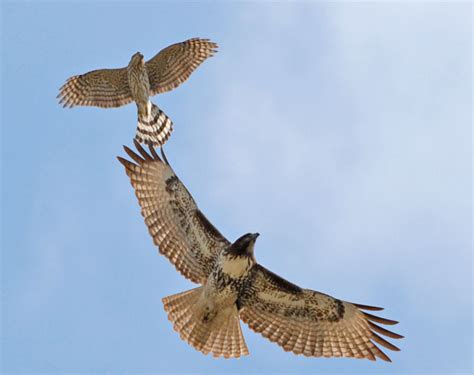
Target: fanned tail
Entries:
(220, 334)
(154, 128)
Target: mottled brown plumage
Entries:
(107, 88)
(177, 226)
(307, 322)
(234, 286)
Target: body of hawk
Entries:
(234, 286)
(137, 82)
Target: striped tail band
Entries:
(154, 129)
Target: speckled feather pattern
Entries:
(173, 65)
(307, 322)
(107, 88)
(299, 320)
(172, 217)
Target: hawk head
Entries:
(244, 245)
(137, 59)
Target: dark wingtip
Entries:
(164, 156)
(133, 155)
(154, 154)
(122, 161)
(126, 163)
(366, 307)
(126, 149)
(381, 341)
(383, 331)
(378, 319)
(379, 353)
(142, 151)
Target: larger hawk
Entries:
(234, 286)
(137, 82)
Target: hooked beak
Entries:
(254, 236)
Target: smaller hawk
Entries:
(108, 88)
(234, 286)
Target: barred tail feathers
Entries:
(220, 335)
(154, 127)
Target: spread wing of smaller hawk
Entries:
(138, 81)
(234, 286)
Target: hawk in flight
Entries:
(234, 286)
(137, 82)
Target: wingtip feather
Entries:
(384, 331)
(164, 156)
(154, 153)
(367, 307)
(142, 151)
(378, 319)
(379, 340)
(126, 163)
(133, 155)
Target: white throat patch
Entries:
(235, 267)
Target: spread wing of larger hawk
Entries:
(234, 286)
(107, 88)
(177, 226)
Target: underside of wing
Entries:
(180, 230)
(174, 64)
(104, 88)
(314, 324)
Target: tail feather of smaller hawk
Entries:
(220, 335)
(154, 127)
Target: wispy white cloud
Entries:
(361, 157)
(339, 131)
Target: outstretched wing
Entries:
(104, 88)
(173, 65)
(180, 230)
(311, 323)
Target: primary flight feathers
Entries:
(234, 286)
(177, 226)
(138, 81)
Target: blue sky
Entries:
(339, 131)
